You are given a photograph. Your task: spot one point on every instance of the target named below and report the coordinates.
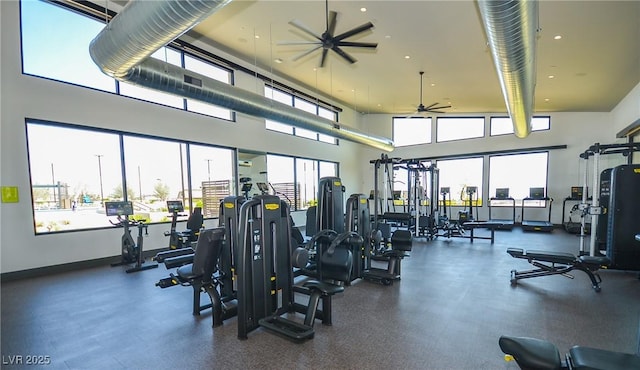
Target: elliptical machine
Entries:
(131, 250)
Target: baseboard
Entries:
(65, 267)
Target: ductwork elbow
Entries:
(511, 27)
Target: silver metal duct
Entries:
(123, 47)
(511, 27)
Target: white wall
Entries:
(576, 130)
(32, 97)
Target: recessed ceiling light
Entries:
(387, 36)
(257, 36)
(546, 100)
(557, 37)
(433, 85)
(407, 57)
(278, 60)
(551, 76)
(363, 9)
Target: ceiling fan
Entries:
(432, 108)
(328, 40)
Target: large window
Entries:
(72, 172)
(518, 173)
(296, 179)
(71, 183)
(459, 128)
(504, 126)
(55, 45)
(458, 175)
(302, 104)
(411, 131)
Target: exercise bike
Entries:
(131, 250)
(177, 239)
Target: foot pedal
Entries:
(167, 282)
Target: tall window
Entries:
(70, 182)
(55, 45)
(280, 171)
(518, 173)
(153, 174)
(458, 128)
(411, 131)
(212, 71)
(169, 56)
(504, 126)
(211, 177)
(302, 104)
(460, 174)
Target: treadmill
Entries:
(536, 194)
(502, 196)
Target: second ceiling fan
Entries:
(432, 108)
(328, 40)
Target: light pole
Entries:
(100, 172)
(139, 183)
(209, 168)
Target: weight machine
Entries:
(614, 207)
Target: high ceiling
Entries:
(594, 65)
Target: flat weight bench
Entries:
(492, 226)
(558, 263)
(531, 353)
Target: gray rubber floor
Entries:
(448, 311)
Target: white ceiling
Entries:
(595, 63)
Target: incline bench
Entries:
(558, 263)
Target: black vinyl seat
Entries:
(201, 273)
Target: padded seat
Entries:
(595, 262)
(186, 272)
(553, 257)
(324, 288)
(585, 358)
(531, 353)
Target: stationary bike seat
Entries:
(531, 353)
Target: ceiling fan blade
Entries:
(299, 25)
(323, 58)
(331, 26)
(306, 53)
(430, 106)
(342, 53)
(298, 43)
(354, 31)
(371, 45)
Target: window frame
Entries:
(518, 201)
(189, 204)
(491, 134)
(442, 119)
(428, 131)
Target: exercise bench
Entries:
(491, 225)
(558, 263)
(532, 353)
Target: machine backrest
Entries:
(401, 240)
(311, 228)
(208, 252)
(195, 221)
(338, 265)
